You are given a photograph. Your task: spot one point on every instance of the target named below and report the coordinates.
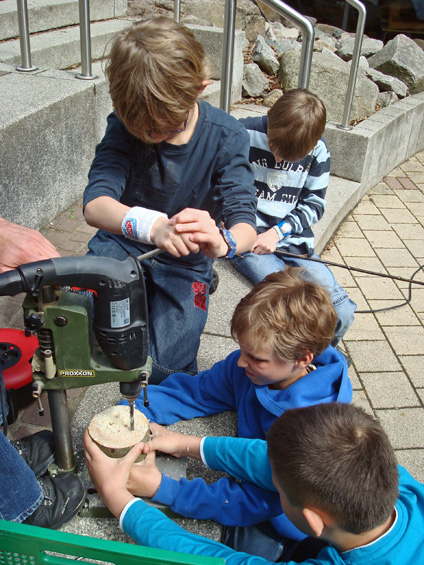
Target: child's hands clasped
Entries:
(201, 230)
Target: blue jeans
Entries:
(257, 267)
(261, 540)
(178, 299)
(20, 492)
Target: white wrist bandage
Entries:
(138, 223)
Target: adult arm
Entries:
(19, 245)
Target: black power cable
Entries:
(366, 271)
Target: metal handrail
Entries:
(362, 14)
(85, 41)
(228, 51)
(24, 37)
(85, 38)
(177, 10)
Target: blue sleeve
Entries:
(149, 527)
(245, 459)
(226, 501)
(183, 397)
(112, 163)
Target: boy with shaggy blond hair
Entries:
(169, 170)
(291, 162)
(332, 468)
(284, 327)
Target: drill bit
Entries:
(131, 403)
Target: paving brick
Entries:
(353, 377)
(416, 177)
(360, 399)
(417, 299)
(365, 207)
(413, 460)
(396, 257)
(413, 365)
(397, 216)
(416, 247)
(354, 247)
(364, 327)
(403, 426)
(371, 356)
(403, 316)
(386, 201)
(356, 295)
(66, 224)
(407, 183)
(389, 390)
(392, 182)
(380, 188)
(409, 231)
(412, 346)
(416, 208)
(384, 239)
(372, 222)
(367, 264)
(350, 229)
(374, 288)
(398, 172)
(410, 195)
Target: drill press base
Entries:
(94, 507)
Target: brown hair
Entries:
(288, 313)
(336, 458)
(155, 71)
(296, 123)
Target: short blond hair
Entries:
(287, 313)
(296, 123)
(155, 69)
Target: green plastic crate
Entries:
(29, 545)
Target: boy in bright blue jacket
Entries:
(331, 466)
(284, 328)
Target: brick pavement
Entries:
(384, 233)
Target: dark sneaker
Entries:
(345, 355)
(63, 496)
(37, 450)
(214, 283)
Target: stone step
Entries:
(43, 16)
(60, 49)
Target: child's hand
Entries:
(165, 236)
(202, 230)
(110, 476)
(145, 478)
(266, 242)
(173, 443)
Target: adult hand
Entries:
(19, 245)
(110, 476)
(266, 242)
(200, 229)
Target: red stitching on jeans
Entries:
(199, 290)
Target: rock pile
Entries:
(386, 73)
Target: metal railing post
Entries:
(177, 10)
(84, 14)
(362, 13)
(227, 54)
(228, 50)
(24, 37)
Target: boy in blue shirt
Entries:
(169, 170)
(291, 163)
(332, 467)
(284, 328)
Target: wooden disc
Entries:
(110, 429)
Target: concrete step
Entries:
(60, 49)
(43, 16)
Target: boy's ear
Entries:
(205, 83)
(315, 520)
(304, 360)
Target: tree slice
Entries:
(110, 429)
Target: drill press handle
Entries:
(120, 320)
